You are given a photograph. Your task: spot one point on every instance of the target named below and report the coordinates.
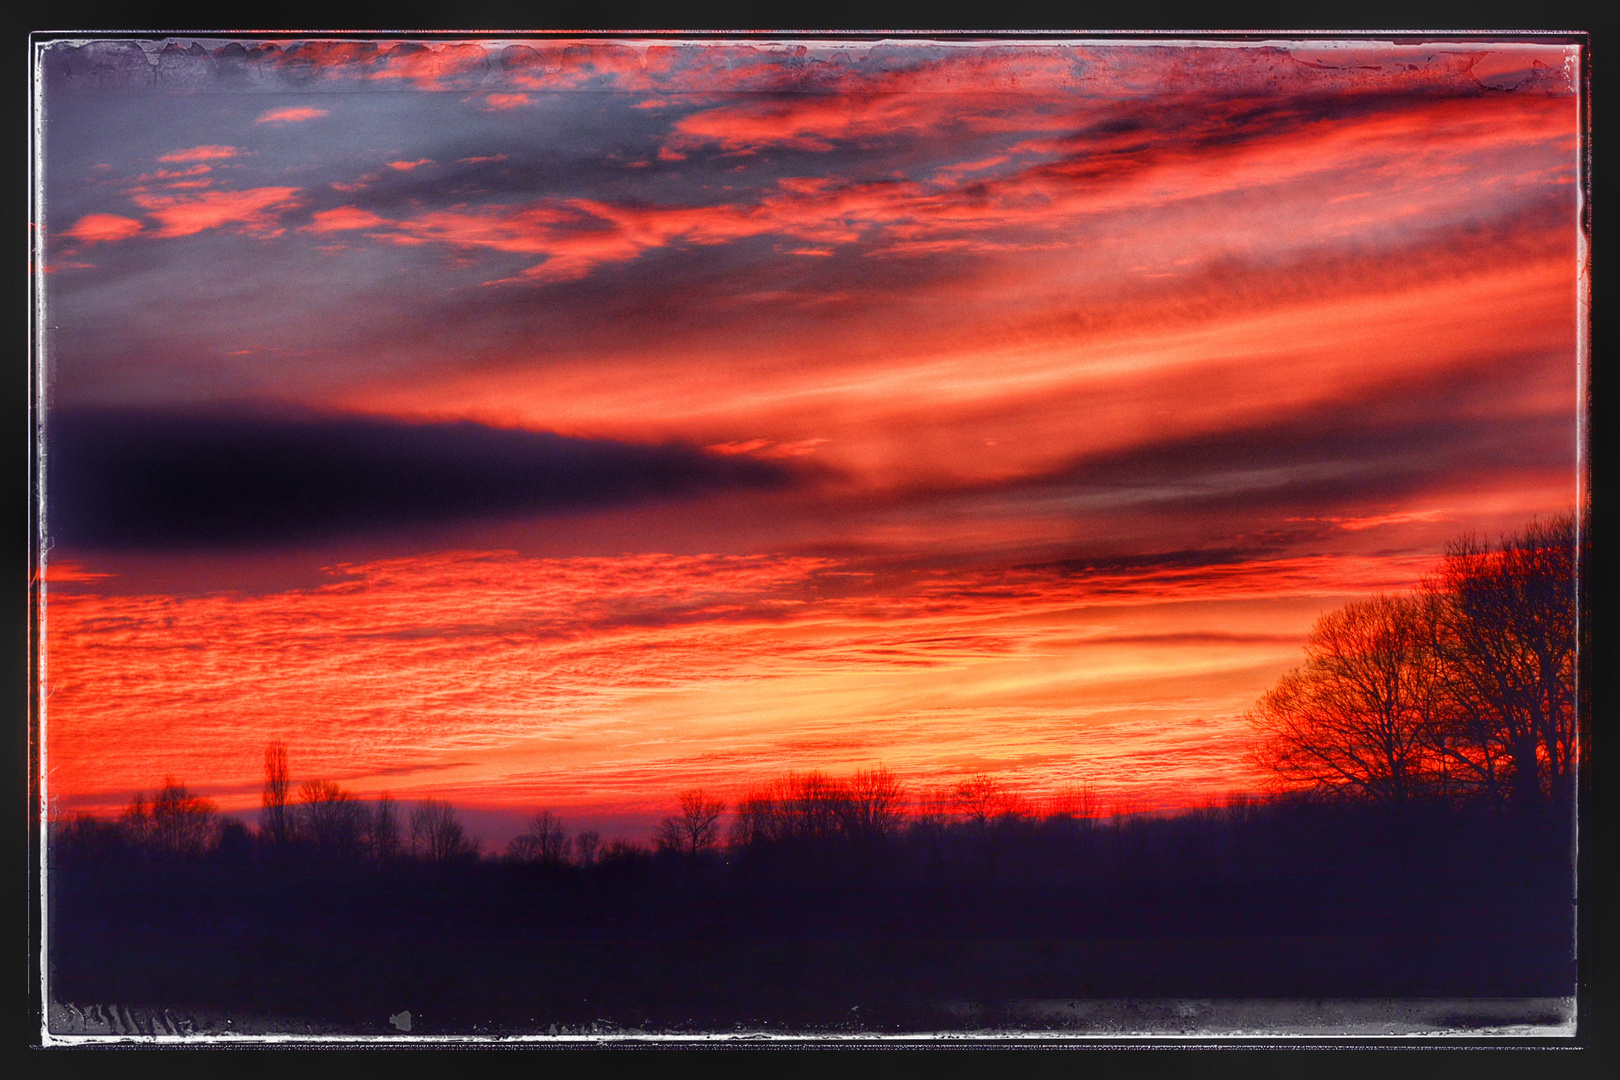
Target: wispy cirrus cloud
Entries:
(1040, 191)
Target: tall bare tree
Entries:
(815, 807)
(274, 821)
(384, 827)
(1464, 689)
(1507, 634)
(980, 798)
(876, 804)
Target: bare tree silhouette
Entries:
(696, 828)
(136, 821)
(437, 834)
(542, 841)
(1080, 803)
(980, 799)
(811, 806)
(331, 819)
(1465, 689)
(586, 846)
(274, 820)
(174, 823)
(1354, 720)
(1506, 634)
(385, 840)
(875, 804)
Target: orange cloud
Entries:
(344, 218)
(103, 228)
(501, 102)
(291, 114)
(202, 153)
(253, 210)
(407, 166)
(430, 67)
(1011, 375)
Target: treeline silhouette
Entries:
(823, 906)
(1408, 851)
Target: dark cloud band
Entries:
(143, 479)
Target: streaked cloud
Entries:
(202, 153)
(291, 114)
(507, 101)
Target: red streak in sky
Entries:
(506, 679)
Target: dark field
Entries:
(901, 934)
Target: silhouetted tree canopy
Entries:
(331, 819)
(542, 841)
(175, 823)
(437, 833)
(696, 828)
(1354, 720)
(1507, 641)
(1463, 690)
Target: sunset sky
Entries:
(561, 423)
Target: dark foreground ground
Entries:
(937, 928)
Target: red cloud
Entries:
(431, 67)
(506, 101)
(344, 218)
(291, 115)
(253, 210)
(407, 166)
(202, 153)
(820, 122)
(103, 228)
(1097, 173)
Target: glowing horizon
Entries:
(566, 423)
